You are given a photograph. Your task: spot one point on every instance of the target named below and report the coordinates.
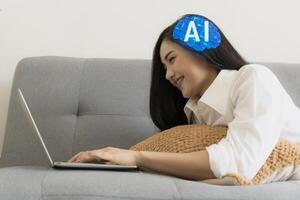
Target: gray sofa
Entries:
(89, 103)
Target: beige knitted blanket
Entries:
(195, 137)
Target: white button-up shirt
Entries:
(257, 110)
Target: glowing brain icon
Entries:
(197, 33)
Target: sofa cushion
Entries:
(44, 183)
(195, 137)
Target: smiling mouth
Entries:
(179, 82)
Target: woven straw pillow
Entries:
(195, 137)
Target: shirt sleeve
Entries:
(255, 129)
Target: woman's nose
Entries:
(169, 74)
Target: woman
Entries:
(198, 77)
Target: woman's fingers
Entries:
(108, 155)
(109, 163)
(94, 156)
(87, 156)
(79, 156)
(74, 157)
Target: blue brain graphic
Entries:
(197, 33)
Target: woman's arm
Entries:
(193, 165)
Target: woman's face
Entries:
(190, 74)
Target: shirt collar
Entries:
(216, 95)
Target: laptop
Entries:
(68, 164)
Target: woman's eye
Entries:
(171, 59)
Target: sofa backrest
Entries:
(82, 104)
(78, 104)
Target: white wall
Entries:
(262, 30)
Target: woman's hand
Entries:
(107, 155)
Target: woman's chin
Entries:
(184, 94)
(183, 91)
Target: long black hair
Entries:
(166, 101)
